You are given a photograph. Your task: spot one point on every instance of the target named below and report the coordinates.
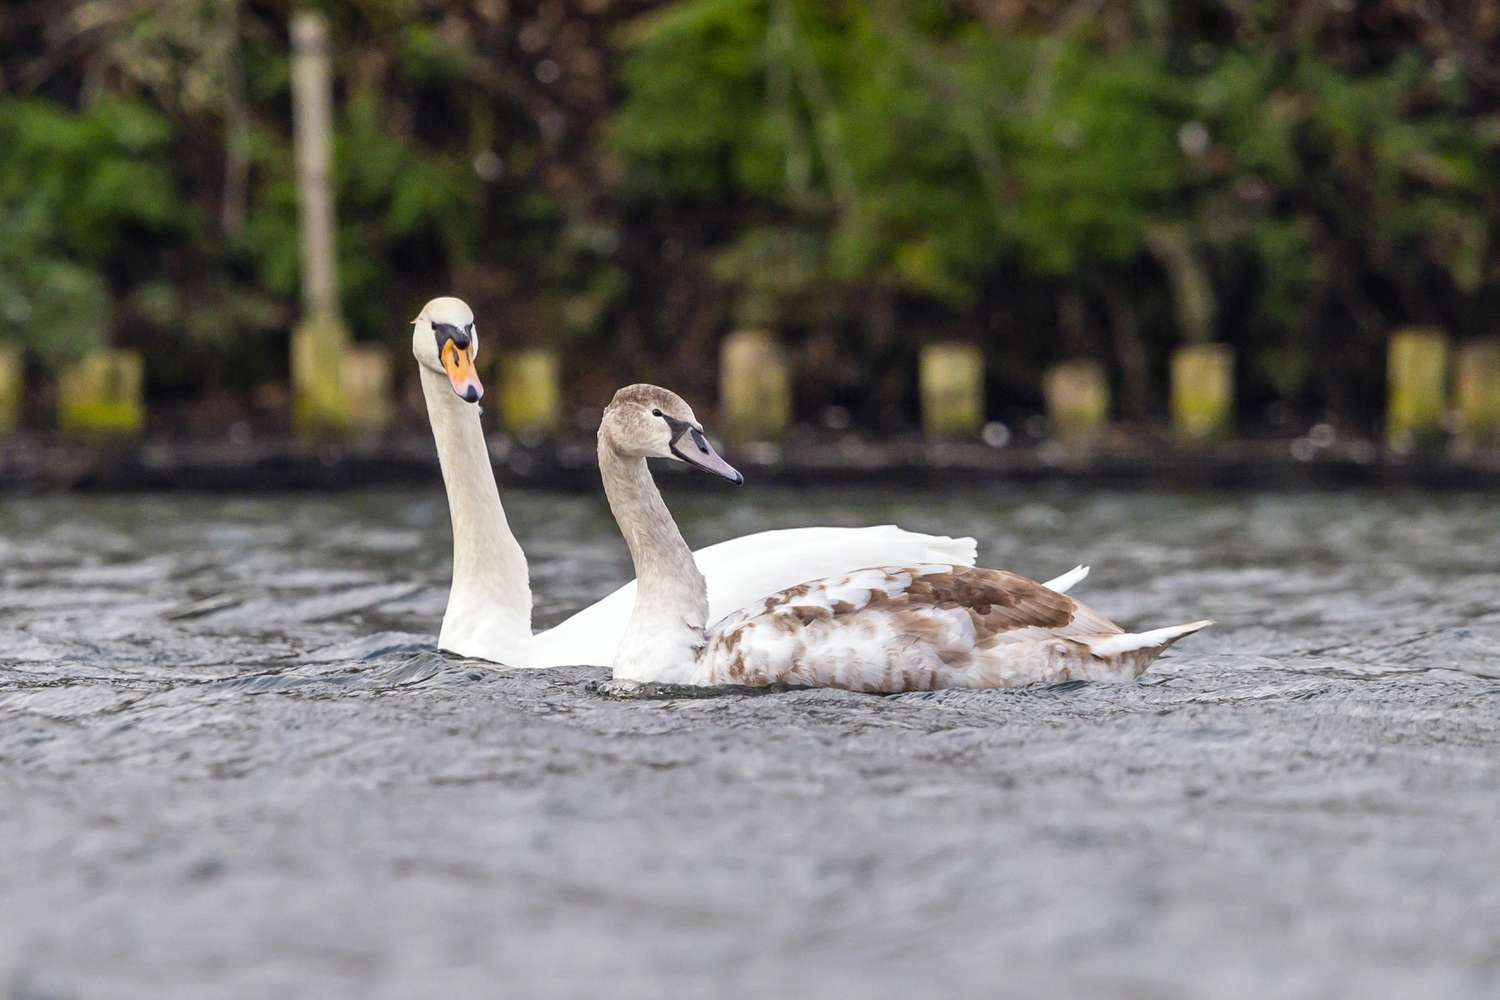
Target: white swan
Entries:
(489, 605)
(915, 627)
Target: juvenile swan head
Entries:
(443, 341)
(647, 421)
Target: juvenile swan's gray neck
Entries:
(666, 628)
(489, 604)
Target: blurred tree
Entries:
(75, 191)
(915, 150)
(1053, 177)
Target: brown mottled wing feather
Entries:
(999, 601)
(996, 600)
(899, 628)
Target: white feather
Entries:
(1129, 642)
(1063, 584)
(745, 570)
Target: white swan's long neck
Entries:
(666, 628)
(489, 605)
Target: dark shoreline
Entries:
(37, 464)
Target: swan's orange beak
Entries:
(461, 373)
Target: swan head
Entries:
(443, 341)
(647, 421)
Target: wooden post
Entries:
(1077, 395)
(102, 394)
(755, 387)
(319, 351)
(12, 387)
(1417, 384)
(951, 382)
(312, 130)
(530, 392)
(320, 340)
(1202, 391)
(1477, 393)
(366, 384)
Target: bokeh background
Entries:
(628, 182)
(232, 762)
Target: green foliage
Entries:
(76, 192)
(98, 178)
(914, 149)
(935, 152)
(49, 305)
(1292, 178)
(1097, 159)
(392, 196)
(1348, 151)
(696, 86)
(779, 272)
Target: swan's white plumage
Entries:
(1130, 642)
(924, 625)
(488, 615)
(744, 570)
(748, 569)
(1069, 580)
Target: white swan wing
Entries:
(744, 571)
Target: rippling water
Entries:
(231, 766)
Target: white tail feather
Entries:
(951, 551)
(1128, 642)
(1063, 584)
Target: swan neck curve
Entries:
(489, 603)
(665, 632)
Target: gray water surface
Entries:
(230, 766)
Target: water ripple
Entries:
(233, 765)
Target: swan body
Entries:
(911, 627)
(743, 570)
(921, 627)
(488, 615)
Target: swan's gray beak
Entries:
(693, 448)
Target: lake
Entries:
(231, 765)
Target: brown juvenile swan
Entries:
(889, 628)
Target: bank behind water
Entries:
(243, 462)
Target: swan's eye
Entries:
(656, 413)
